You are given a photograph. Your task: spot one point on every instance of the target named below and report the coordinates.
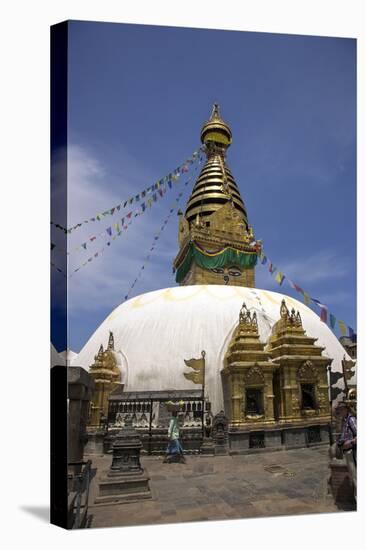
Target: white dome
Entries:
(155, 332)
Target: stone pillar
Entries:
(80, 387)
(269, 396)
(126, 479)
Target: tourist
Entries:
(348, 441)
(174, 451)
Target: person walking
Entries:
(174, 451)
(347, 441)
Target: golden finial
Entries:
(216, 132)
(111, 341)
(284, 312)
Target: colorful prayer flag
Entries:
(342, 328)
(279, 278)
(332, 320)
(323, 314)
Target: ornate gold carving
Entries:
(254, 377)
(307, 372)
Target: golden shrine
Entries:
(248, 376)
(277, 387)
(107, 377)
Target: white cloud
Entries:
(324, 265)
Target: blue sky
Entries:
(138, 96)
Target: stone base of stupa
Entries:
(116, 488)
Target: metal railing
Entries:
(79, 485)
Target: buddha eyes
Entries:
(232, 271)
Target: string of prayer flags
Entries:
(325, 315)
(156, 238)
(126, 225)
(109, 230)
(174, 175)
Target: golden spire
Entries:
(215, 185)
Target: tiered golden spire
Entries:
(215, 185)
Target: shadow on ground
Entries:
(40, 512)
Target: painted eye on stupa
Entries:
(217, 270)
(234, 272)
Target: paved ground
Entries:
(229, 487)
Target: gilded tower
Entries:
(217, 244)
(106, 376)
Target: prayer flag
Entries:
(109, 231)
(350, 332)
(323, 314)
(332, 320)
(263, 259)
(119, 207)
(112, 211)
(129, 215)
(342, 328)
(319, 303)
(143, 206)
(279, 278)
(306, 298)
(84, 245)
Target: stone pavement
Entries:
(223, 487)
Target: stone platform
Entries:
(223, 487)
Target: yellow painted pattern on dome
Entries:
(140, 302)
(171, 296)
(211, 291)
(270, 298)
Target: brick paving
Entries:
(222, 487)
